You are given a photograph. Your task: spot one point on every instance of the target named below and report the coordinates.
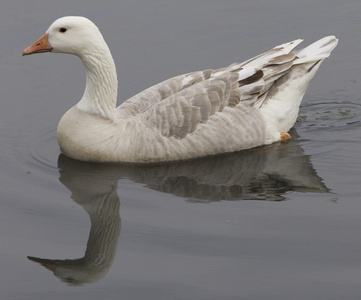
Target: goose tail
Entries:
(281, 106)
(319, 50)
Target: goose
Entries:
(197, 114)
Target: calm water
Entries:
(277, 222)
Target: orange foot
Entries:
(285, 137)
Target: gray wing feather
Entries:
(153, 95)
(176, 107)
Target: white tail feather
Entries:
(318, 50)
(280, 108)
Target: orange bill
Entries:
(41, 45)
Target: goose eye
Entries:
(62, 29)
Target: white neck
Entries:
(100, 95)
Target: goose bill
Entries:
(40, 46)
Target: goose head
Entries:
(72, 35)
(81, 37)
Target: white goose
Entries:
(202, 113)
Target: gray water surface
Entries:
(275, 222)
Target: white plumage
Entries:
(202, 113)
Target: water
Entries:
(276, 222)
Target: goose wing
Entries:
(178, 105)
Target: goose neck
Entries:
(100, 95)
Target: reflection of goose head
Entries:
(74, 272)
(95, 189)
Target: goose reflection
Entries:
(94, 187)
(265, 173)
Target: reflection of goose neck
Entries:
(104, 231)
(103, 210)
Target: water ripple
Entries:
(44, 149)
(334, 115)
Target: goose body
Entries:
(202, 113)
